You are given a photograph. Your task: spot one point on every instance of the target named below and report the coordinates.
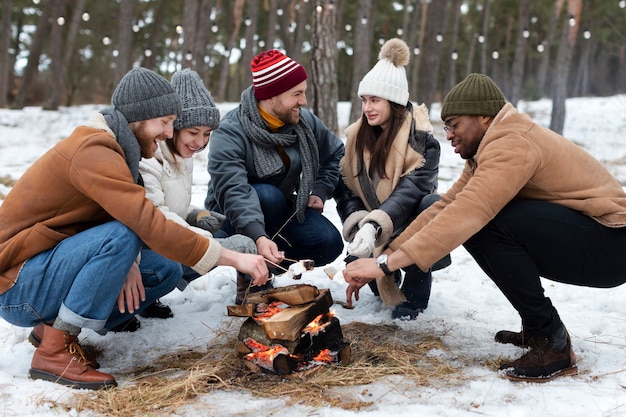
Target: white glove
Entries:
(362, 245)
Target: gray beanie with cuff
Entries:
(143, 94)
(198, 106)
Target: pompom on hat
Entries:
(476, 95)
(198, 106)
(274, 73)
(387, 79)
(143, 94)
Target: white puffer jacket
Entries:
(168, 179)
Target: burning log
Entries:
(293, 295)
(288, 324)
(281, 338)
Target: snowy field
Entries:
(465, 309)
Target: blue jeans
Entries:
(159, 276)
(316, 238)
(530, 239)
(78, 280)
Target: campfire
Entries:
(290, 329)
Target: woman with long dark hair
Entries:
(389, 171)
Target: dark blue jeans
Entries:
(531, 239)
(316, 238)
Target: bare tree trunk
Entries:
(323, 64)
(190, 30)
(429, 73)
(251, 22)
(125, 39)
(485, 31)
(5, 58)
(237, 12)
(420, 45)
(451, 79)
(149, 60)
(563, 61)
(202, 45)
(520, 52)
(271, 7)
(33, 55)
(363, 35)
(68, 49)
(54, 86)
(544, 66)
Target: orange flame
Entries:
(263, 355)
(271, 309)
(318, 324)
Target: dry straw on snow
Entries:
(378, 351)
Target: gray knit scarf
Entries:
(126, 138)
(267, 160)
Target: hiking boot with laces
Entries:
(543, 362)
(60, 359)
(518, 339)
(36, 335)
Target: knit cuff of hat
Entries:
(383, 90)
(385, 223)
(471, 108)
(155, 107)
(198, 116)
(209, 260)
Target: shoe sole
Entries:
(33, 339)
(509, 374)
(47, 376)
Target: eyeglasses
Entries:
(448, 128)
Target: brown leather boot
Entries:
(542, 362)
(518, 339)
(59, 358)
(36, 335)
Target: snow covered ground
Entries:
(465, 310)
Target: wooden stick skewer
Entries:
(276, 265)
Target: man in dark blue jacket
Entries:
(273, 164)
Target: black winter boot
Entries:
(416, 288)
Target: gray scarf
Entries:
(126, 138)
(267, 160)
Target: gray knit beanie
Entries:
(198, 106)
(476, 95)
(143, 95)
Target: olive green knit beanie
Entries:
(476, 95)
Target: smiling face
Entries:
(466, 132)
(149, 132)
(190, 140)
(377, 110)
(286, 106)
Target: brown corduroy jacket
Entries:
(516, 158)
(84, 181)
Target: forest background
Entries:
(67, 52)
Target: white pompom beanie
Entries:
(387, 79)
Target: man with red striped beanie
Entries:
(273, 164)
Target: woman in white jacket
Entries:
(168, 176)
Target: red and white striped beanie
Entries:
(274, 73)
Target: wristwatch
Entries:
(381, 261)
